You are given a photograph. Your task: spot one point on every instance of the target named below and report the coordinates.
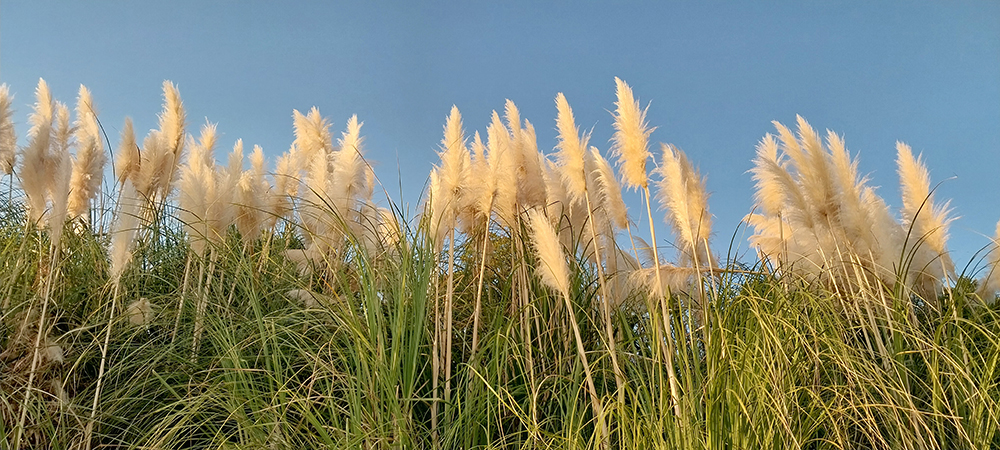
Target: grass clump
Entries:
(187, 304)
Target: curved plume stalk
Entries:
(36, 168)
(681, 191)
(630, 143)
(926, 223)
(8, 137)
(88, 165)
(128, 159)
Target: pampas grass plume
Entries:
(552, 268)
(88, 165)
(127, 160)
(631, 138)
(35, 165)
(8, 137)
(61, 170)
(609, 189)
(571, 150)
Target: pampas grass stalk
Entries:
(554, 272)
(446, 198)
(53, 156)
(572, 153)
(631, 144)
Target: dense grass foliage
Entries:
(158, 320)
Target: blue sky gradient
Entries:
(715, 74)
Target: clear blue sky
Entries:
(716, 74)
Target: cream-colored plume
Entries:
(552, 268)
(8, 137)
(681, 192)
(127, 160)
(448, 186)
(36, 162)
(139, 312)
(124, 230)
(989, 284)
(252, 197)
(61, 170)
(353, 179)
(571, 149)
(502, 159)
(88, 164)
(926, 224)
(610, 192)
(630, 142)
(199, 204)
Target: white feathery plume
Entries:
(155, 161)
(671, 279)
(172, 120)
(926, 221)
(388, 231)
(448, 193)
(609, 189)
(571, 150)
(128, 158)
(61, 170)
(227, 185)
(630, 142)
(35, 160)
(252, 197)
(552, 268)
(313, 141)
(989, 285)
(681, 191)
(124, 230)
(199, 191)
(479, 191)
(501, 159)
(557, 197)
(162, 149)
(285, 187)
(353, 180)
(8, 137)
(531, 186)
(139, 312)
(312, 134)
(88, 165)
